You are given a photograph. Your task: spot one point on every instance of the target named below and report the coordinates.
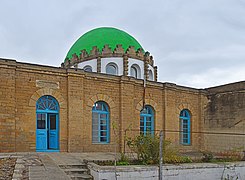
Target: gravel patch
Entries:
(7, 166)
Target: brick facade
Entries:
(76, 92)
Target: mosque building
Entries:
(106, 87)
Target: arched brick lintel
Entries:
(150, 102)
(44, 92)
(101, 97)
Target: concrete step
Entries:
(81, 176)
(71, 166)
(76, 171)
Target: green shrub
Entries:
(122, 163)
(147, 149)
(176, 159)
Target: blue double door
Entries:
(47, 133)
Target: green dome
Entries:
(100, 37)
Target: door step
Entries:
(81, 176)
(77, 171)
(72, 166)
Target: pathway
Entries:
(54, 166)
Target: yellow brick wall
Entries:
(77, 93)
(26, 96)
(176, 100)
(7, 108)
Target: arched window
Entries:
(135, 71)
(111, 68)
(185, 127)
(87, 68)
(100, 123)
(147, 120)
(150, 75)
(47, 103)
(47, 124)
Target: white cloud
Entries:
(212, 77)
(197, 43)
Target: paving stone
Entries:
(4, 156)
(19, 171)
(20, 161)
(37, 168)
(17, 175)
(19, 166)
(38, 177)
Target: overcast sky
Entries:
(197, 43)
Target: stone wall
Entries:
(225, 114)
(7, 107)
(76, 91)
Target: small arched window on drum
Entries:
(112, 69)
(150, 75)
(135, 71)
(87, 68)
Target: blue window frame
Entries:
(147, 120)
(100, 123)
(185, 127)
(47, 104)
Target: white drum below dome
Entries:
(138, 65)
(92, 63)
(116, 62)
(114, 66)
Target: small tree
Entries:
(147, 149)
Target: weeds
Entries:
(207, 156)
